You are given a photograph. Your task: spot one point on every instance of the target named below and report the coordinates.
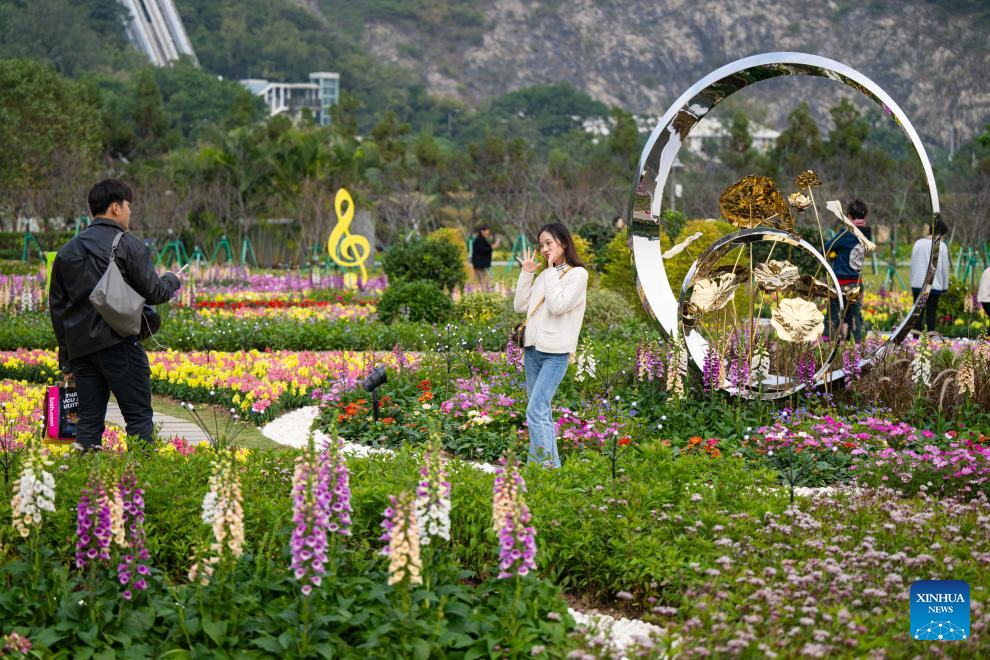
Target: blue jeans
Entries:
(544, 371)
(853, 319)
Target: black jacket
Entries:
(481, 252)
(79, 265)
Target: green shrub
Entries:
(618, 274)
(426, 259)
(606, 308)
(415, 301)
(480, 307)
(456, 238)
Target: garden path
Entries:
(170, 426)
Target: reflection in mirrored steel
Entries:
(772, 385)
(753, 201)
(661, 151)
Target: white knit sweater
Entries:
(921, 253)
(556, 325)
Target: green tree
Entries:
(799, 146)
(737, 151)
(849, 131)
(49, 137)
(151, 125)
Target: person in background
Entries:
(481, 255)
(618, 223)
(554, 304)
(921, 255)
(983, 294)
(847, 262)
(100, 360)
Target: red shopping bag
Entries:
(61, 414)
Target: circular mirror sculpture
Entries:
(673, 310)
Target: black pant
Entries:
(986, 309)
(931, 308)
(124, 370)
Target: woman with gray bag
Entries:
(101, 281)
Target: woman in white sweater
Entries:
(921, 255)
(554, 304)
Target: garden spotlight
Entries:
(375, 379)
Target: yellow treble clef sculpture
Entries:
(346, 249)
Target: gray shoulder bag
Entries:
(115, 300)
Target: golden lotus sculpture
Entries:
(754, 201)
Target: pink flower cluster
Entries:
(516, 537)
(592, 431)
(133, 569)
(93, 525)
(476, 394)
(802, 430)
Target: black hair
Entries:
(562, 236)
(616, 219)
(939, 228)
(857, 209)
(105, 193)
(482, 228)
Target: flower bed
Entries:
(259, 384)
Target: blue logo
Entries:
(940, 609)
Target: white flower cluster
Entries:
(921, 365)
(433, 499)
(586, 364)
(759, 365)
(34, 492)
(475, 418)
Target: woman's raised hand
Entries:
(527, 260)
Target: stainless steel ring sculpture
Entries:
(660, 152)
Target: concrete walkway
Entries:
(170, 427)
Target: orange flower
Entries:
(624, 441)
(714, 452)
(388, 420)
(423, 385)
(427, 395)
(341, 418)
(694, 440)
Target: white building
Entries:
(319, 95)
(707, 135)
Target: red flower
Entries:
(624, 441)
(388, 420)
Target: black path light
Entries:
(371, 383)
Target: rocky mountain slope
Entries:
(931, 56)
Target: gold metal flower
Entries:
(799, 201)
(713, 294)
(775, 275)
(798, 320)
(808, 287)
(677, 249)
(836, 207)
(753, 201)
(807, 179)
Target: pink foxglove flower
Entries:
(133, 569)
(516, 538)
(402, 537)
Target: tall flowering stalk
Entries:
(649, 362)
(510, 518)
(311, 499)
(676, 369)
(711, 375)
(921, 365)
(34, 491)
(402, 538)
(966, 375)
(739, 365)
(760, 362)
(94, 529)
(133, 569)
(433, 495)
(223, 511)
(340, 503)
(851, 363)
(806, 368)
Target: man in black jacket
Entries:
(100, 360)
